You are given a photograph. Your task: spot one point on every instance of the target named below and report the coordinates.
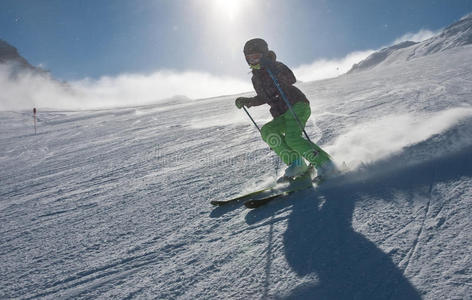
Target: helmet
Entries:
(256, 45)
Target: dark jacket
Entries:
(267, 91)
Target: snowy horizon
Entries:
(134, 89)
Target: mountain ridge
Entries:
(455, 35)
(10, 55)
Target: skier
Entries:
(284, 133)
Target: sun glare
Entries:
(228, 8)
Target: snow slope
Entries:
(115, 203)
(456, 35)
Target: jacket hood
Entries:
(256, 45)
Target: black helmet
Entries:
(256, 46)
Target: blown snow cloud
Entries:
(377, 139)
(330, 68)
(419, 36)
(323, 69)
(27, 89)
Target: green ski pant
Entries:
(284, 136)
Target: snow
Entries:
(115, 203)
(453, 36)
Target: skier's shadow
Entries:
(348, 265)
(320, 240)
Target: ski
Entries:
(283, 187)
(315, 182)
(259, 202)
(241, 198)
(255, 203)
(279, 187)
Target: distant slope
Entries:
(380, 56)
(455, 35)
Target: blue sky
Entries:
(93, 38)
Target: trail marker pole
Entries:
(34, 119)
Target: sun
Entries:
(229, 9)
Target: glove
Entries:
(242, 101)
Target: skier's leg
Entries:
(273, 134)
(293, 135)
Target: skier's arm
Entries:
(260, 97)
(249, 101)
(257, 100)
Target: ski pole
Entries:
(276, 82)
(254, 122)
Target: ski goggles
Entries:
(254, 58)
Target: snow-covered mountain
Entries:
(115, 203)
(10, 55)
(455, 35)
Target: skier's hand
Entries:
(242, 101)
